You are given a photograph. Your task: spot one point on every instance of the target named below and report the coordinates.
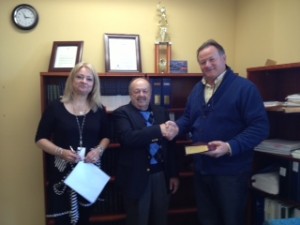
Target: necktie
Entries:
(154, 147)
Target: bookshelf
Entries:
(109, 209)
(275, 83)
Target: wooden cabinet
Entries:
(109, 208)
(275, 83)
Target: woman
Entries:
(77, 121)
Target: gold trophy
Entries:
(162, 44)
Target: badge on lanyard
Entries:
(81, 152)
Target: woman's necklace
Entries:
(80, 126)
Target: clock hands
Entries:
(26, 16)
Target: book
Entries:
(178, 66)
(196, 148)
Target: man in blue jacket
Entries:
(225, 111)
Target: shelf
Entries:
(107, 218)
(278, 156)
(182, 211)
(275, 83)
(275, 68)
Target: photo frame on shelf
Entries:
(122, 53)
(65, 55)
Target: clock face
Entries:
(25, 17)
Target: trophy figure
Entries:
(162, 44)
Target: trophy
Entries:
(162, 44)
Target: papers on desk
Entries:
(87, 180)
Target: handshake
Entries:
(169, 129)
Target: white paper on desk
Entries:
(87, 180)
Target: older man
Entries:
(147, 168)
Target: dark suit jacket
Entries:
(135, 137)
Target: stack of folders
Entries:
(278, 146)
(292, 103)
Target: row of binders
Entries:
(161, 91)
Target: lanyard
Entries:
(80, 129)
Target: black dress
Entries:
(62, 127)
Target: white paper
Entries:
(87, 180)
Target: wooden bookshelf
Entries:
(275, 83)
(110, 211)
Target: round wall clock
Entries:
(25, 16)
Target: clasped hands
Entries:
(169, 130)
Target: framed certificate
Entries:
(122, 53)
(65, 55)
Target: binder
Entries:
(285, 179)
(295, 180)
(166, 92)
(156, 84)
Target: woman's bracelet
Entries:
(99, 149)
(59, 151)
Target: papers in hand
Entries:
(196, 148)
(87, 180)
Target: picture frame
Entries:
(122, 53)
(65, 55)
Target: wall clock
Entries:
(25, 17)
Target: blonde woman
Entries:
(72, 126)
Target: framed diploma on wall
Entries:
(65, 55)
(122, 53)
